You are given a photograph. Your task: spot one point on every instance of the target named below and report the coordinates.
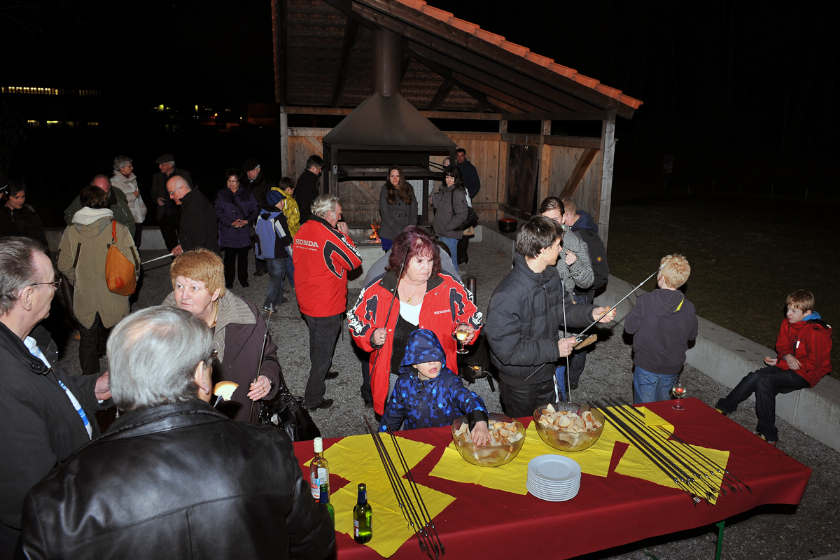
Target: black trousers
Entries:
(232, 254)
(170, 225)
(522, 400)
(138, 234)
(463, 246)
(766, 383)
(323, 335)
(91, 345)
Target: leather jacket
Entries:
(178, 481)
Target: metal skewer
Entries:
(413, 484)
(156, 259)
(259, 364)
(402, 495)
(580, 336)
(719, 468)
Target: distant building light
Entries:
(196, 108)
(33, 124)
(52, 122)
(93, 124)
(160, 107)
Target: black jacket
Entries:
(159, 180)
(198, 223)
(259, 188)
(40, 425)
(178, 481)
(24, 222)
(523, 319)
(469, 174)
(306, 191)
(663, 322)
(587, 230)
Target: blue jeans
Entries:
(277, 275)
(651, 387)
(452, 244)
(290, 272)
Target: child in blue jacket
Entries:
(428, 394)
(274, 246)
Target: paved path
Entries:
(809, 531)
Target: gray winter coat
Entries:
(450, 211)
(580, 273)
(397, 216)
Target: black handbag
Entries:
(287, 413)
(472, 217)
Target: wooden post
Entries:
(608, 153)
(502, 126)
(544, 171)
(284, 144)
(425, 203)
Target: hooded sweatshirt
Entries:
(663, 322)
(426, 403)
(587, 230)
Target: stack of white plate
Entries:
(553, 478)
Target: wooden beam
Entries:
(350, 32)
(342, 111)
(406, 62)
(544, 171)
(495, 93)
(563, 116)
(423, 24)
(574, 142)
(479, 96)
(581, 167)
(278, 24)
(530, 139)
(608, 149)
(284, 143)
(521, 214)
(503, 126)
(440, 95)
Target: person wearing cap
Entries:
(198, 219)
(168, 214)
(259, 186)
(274, 240)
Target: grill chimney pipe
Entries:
(386, 62)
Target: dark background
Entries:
(744, 96)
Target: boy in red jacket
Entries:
(803, 347)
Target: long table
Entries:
(607, 512)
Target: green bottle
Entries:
(325, 499)
(362, 513)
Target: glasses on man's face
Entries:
(174, 191)
(54, 283)
(230, 181)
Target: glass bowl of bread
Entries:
(568, 426)
(506, 439)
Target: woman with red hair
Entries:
(414, 293)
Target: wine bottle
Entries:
(362, 513)
(319, 470)
(325, 499)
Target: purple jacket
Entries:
(228, 212)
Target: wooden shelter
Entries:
(448, 68)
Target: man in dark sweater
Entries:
(198, 220)
(168, 214)
(259, 186)
(306, 190)
(525, 312)
(581, 223)
(663, 322)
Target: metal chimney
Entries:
(385, 58)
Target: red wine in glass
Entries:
(678, 392)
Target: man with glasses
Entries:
(47, 414)
(173, 477)
(168, 214)
(199, 225)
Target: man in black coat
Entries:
(259, 186)
(524, 316)
(47, 414)
(173, 477)
(306, 189)
(199, 226)
(168, 214)
(469, 175)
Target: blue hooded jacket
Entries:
(433, 402)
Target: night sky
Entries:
(724, 81)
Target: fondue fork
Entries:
(717, 467)
(413, 485)
(401, 494)
(670, 470)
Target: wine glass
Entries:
(461, 333)
(678, 391)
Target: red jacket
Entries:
(810, 343)
(446, 304)
(322, 256)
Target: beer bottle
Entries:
(362, 513)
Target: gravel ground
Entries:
(780, 532)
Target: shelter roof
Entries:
(323, 51)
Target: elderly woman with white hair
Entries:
(198, 282)
(125, 180)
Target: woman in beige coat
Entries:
(81, 257)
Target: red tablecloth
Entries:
(607, 512)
